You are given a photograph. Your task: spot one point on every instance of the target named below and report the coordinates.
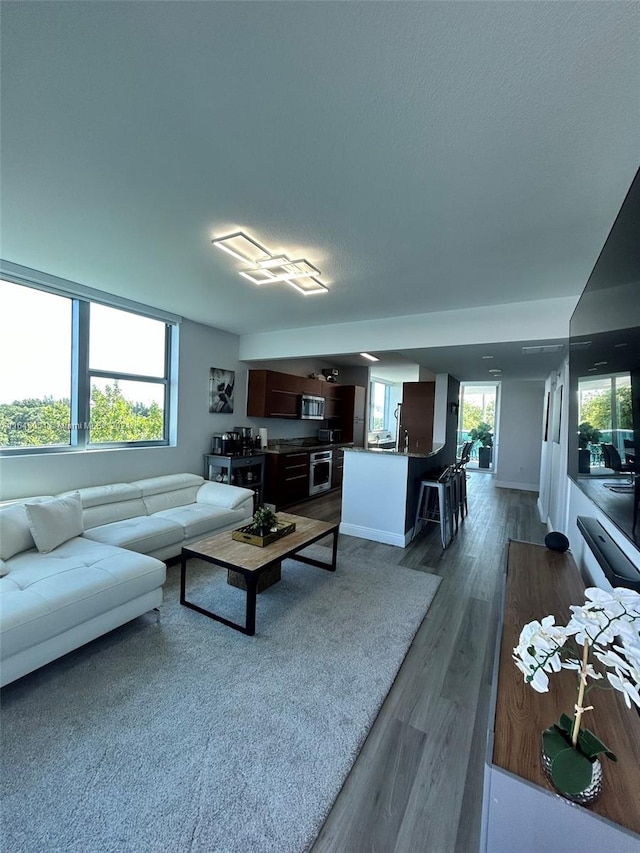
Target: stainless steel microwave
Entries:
(311, 408)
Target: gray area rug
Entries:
(184, 735)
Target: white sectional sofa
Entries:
(79, 564)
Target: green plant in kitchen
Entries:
(264, 519)
(484, 434)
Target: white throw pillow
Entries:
(15, 535)
(54, 522)
(4, 569)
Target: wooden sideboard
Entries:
(521, 811)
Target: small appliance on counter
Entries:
(329, 436)
(330, 374)
(246, 444)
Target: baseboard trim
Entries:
(384, 536)
(523, 487)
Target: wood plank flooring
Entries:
(416, 786)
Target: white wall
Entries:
(519, 434)
(200, 348)
(541, 319)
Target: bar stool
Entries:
(435, 503)
(461, 468)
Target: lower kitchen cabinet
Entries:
(338, 465)
(287, 478)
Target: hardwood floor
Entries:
(417, 783)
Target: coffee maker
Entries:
(245, 440)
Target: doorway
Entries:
(477, 423)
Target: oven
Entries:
(320, 471)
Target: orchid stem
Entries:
(579, 708)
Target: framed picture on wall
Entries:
(221, 385)
(547, 409)
(557, 414)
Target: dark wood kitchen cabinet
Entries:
(332, 400)
(287, 478)
(337, 467)
(354, 421)
(416, 417)
(271, 394)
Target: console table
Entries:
(521, 811)
(245, 471)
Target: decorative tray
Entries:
(246, 534)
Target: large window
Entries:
(76, 374)
(35, 367)
(379, 409)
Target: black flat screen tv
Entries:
(604, 376)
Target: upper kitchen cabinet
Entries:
(416, 417)
(354, 421)
(332, 400)
(274, 395)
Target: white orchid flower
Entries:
(577, 666)
(629, 691)
(607, 625)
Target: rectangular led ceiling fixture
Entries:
(267, 267)
(308, 286)
(241, 247)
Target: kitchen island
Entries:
(380, 491)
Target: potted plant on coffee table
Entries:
(484, 434)
(264, 520)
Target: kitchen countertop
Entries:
(306, 448)
(393, 452)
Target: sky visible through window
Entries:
(35, 345)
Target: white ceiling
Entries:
(425, 156)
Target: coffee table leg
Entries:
(250, 616)
(334, 555)
(183, 578)
(252, 592)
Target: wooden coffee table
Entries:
(251, 561)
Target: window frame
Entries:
(81, 374)
(386, 416)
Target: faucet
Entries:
(406, 441)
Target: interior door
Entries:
(416, 417)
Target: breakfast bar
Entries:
(380, 492)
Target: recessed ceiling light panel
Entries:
(369, 356)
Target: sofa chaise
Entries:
(76, 565)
